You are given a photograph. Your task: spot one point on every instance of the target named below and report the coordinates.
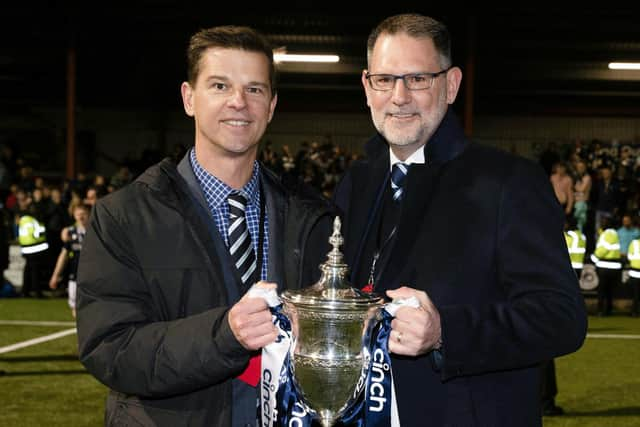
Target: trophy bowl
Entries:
(328, 322)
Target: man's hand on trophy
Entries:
(414, 331)
(250, 320)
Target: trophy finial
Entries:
(334, 267)
(336, 239)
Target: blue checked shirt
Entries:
(216, 193)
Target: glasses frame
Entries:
(403, 77)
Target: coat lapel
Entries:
(366, 199)
(420, 185)
(275, 205)
(199, 217)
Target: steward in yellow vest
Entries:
(577, 246)
(606, 257)
(607, 253)
(33, 242)
(31, 235)
(633, 255)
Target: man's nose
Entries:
(400, 94)
(237, 98)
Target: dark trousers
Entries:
(548, 384)
(607, 280)
(32, 277)
(635, 288)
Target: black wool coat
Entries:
(480, 231)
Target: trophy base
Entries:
(327, 418)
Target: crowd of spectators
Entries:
(319, 165)
(51, 200)
(604, 182)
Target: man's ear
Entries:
(272, 107)
(454, 77)
(187, 98)
(365, 85)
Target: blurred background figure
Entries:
(582, 191)
(563, 187)
(33, 243)
(576, 245)
(72, 237)
(633, 256)
(606, 197)
(626, 233)
(606, 257)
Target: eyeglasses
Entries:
(412, 81)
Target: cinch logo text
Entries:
(376, 389)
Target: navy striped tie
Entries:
(240, 245)
(398, 174)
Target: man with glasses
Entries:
(474, 233)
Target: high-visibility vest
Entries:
(607, 253)
(633, 255)
(577, 246)
(31, 235)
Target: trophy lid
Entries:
(333, 291)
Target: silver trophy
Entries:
(328, 322)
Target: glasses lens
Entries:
(382, 81)
(418, 81)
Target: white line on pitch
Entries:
(35, 323)
(615, 336)
(38, 340)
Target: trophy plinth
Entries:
(328, 321)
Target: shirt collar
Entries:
(216, 192)
(416, 157)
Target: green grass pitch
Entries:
(45, 385)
